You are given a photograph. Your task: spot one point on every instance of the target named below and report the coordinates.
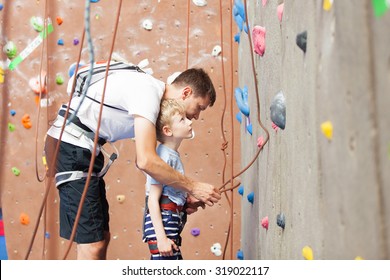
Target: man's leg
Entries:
(94, 251)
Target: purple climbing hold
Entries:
(195, 231)
(76, 41)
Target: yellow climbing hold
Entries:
(1, 75)
(327, 5)
(327, 129)
(359, 258)
(307, 253)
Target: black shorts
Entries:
(94, 218)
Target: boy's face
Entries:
(181, 127)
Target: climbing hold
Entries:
(258, 34)
(59, 79)
(301, 40)
(380, 7)
(260, 141)
(120, 198)
(59, 20)
(239, 117)
(1, 6)
(16, 171)
(72, 68)
(237, 38)
(47, 235)
(216, 51)
(278, 110)
(264, 2)
(147, 24)
(200, 3)
(26, 121)
(37, 23)
(241, 97)
(241, 190)
(60, 42)
(38, 84)
(327, 129)
(24, 219)
(11, 127)
(327, 5)
(195, 231)
(216, 249)
(280, 220)
(265, 222)
(1, 75)
(307, 253)
(274, 126)
(249, 128)
(10, 49)
(279, 11)
(358, 258)
(94, 1)
(251, 197)
(76, 41)
(239, 9)
(12, 112)
(240, 255)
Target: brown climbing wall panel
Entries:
(165, 46)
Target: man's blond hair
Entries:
(168, 108)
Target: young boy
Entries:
(164, 214)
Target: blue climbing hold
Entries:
(60, 42)
(94, 1)
(241, 190)
(249, 128)
(241, 97)
(251, 197)
(237, 38)
(1, 6)
(239, 117)
(12, 112)
(47, 235)
(240, 255)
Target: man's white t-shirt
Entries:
(130, 92)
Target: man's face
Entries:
(195, 105)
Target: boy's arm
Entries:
(149, 162)
(164, 244)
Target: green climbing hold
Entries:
(380, 7)
(59, 79)
(16, 171)
(11, 127)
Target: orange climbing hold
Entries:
(24, 219)
(59, 20)
(38, 84)
(26, 121)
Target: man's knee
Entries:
(92, 251)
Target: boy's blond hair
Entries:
(168, 108)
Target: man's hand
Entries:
(206, 193)
(193, 204)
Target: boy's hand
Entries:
(165, 247)
(193, 204)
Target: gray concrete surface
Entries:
(335, 194)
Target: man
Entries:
(130, 109)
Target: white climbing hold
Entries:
(200, 3)
(216, 249)
(147, 24)
(216, 51)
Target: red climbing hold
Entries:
(259, 39)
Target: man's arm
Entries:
(149, 162)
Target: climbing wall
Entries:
(171, 35)
(320, 186)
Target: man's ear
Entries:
(167, 130)
(187, 91)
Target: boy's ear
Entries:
(167, 130)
